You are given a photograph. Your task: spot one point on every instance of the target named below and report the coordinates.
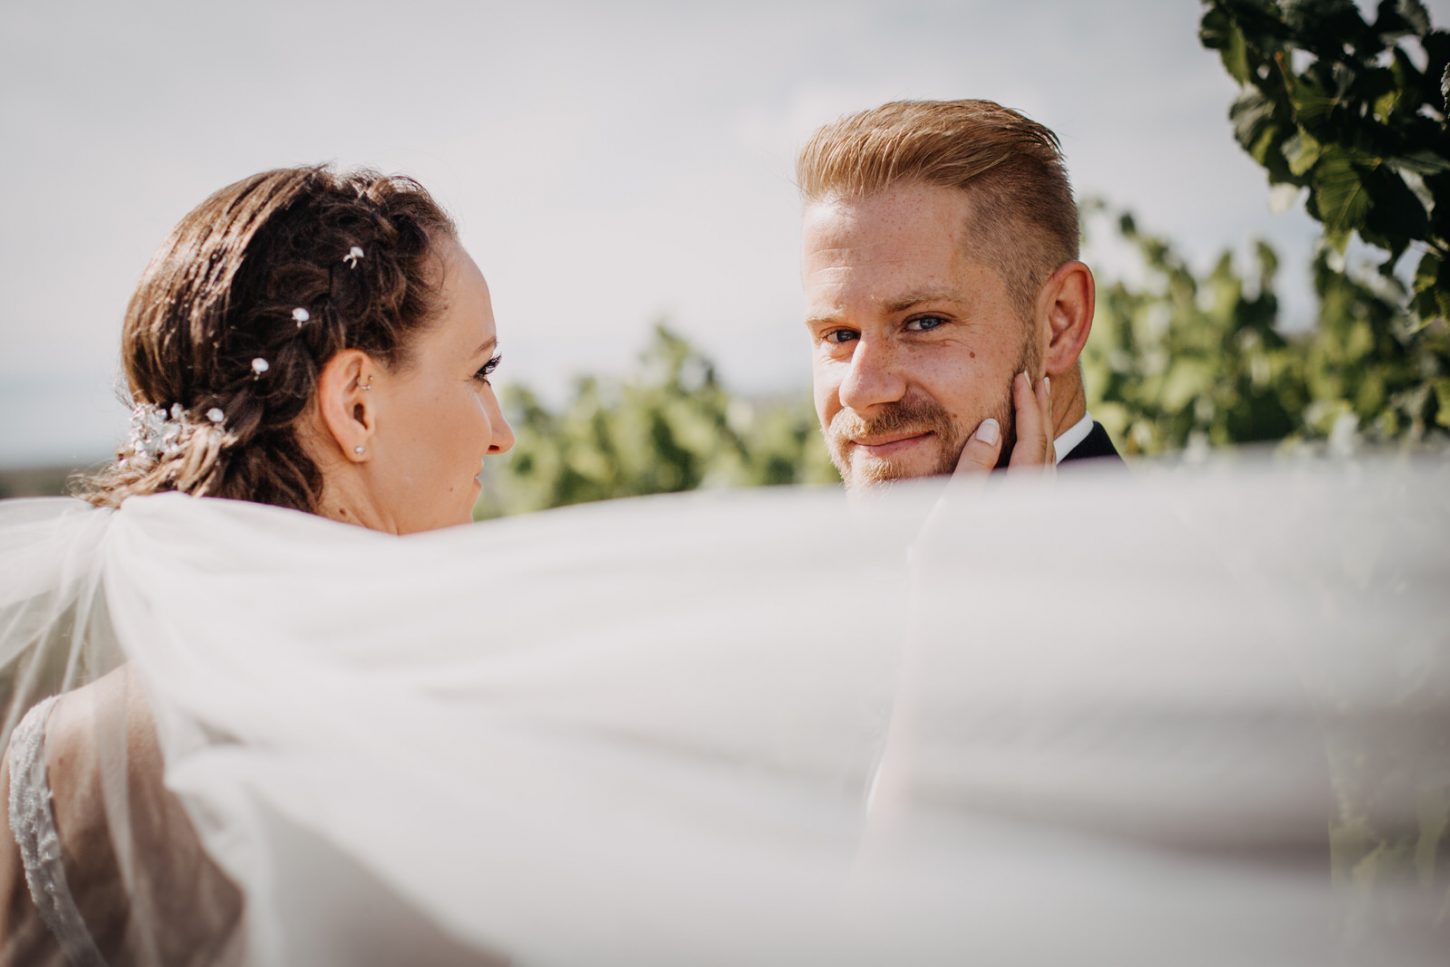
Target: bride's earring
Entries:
(359, 450)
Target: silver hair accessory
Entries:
(156, 431)
(353, 254)
(301, 316)
(259, 366)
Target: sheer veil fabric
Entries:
(1187, 717)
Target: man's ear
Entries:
(345, 403)
(1065, 304)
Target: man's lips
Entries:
(885, 446)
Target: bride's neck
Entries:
(347, 498)
(347, 495)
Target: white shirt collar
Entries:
(1072, 436)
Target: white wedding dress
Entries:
(1189, 717)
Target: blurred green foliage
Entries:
(1182, 360)
(671, 426)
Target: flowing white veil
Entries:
(1185, 716)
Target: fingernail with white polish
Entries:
(988, 432)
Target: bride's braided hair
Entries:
(213, 328)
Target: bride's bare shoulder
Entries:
(98, 722)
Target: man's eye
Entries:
(838, 336)
(924, 323)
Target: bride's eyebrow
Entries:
(488, 346)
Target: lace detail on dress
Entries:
(33, 825)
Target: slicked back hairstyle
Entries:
(222, 291)
(1024, 222)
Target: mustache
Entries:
(915, 416)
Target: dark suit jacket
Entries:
(1094, 446)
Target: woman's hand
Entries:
(1033, 449)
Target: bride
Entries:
(307, 339)
(765, 728)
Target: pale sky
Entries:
(609, 164)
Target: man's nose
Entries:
(873, 377)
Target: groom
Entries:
(940, 261)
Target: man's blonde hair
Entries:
(1024, 222)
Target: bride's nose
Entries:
(503, 434)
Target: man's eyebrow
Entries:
(917, 298)
(900, 304)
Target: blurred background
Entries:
(1260, 182)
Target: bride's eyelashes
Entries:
(487, 369)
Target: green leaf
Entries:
(1442, 395)
(1394, 213)
(1402, 16)
(1423, 162)
(1268, 262)
(1327, 28)
(1301, 150)
(1315, 104)
(1318, 20)
(1252, 116)
(1412, 13)
(1213, 29)
(1438, 188)
(1427, 272)
(1384, 105)
(1340, 194)
(1217, 32)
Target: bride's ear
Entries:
(345, 403)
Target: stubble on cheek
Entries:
(1006, 411)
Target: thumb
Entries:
(981, 452)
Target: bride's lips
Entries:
(889, 446)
